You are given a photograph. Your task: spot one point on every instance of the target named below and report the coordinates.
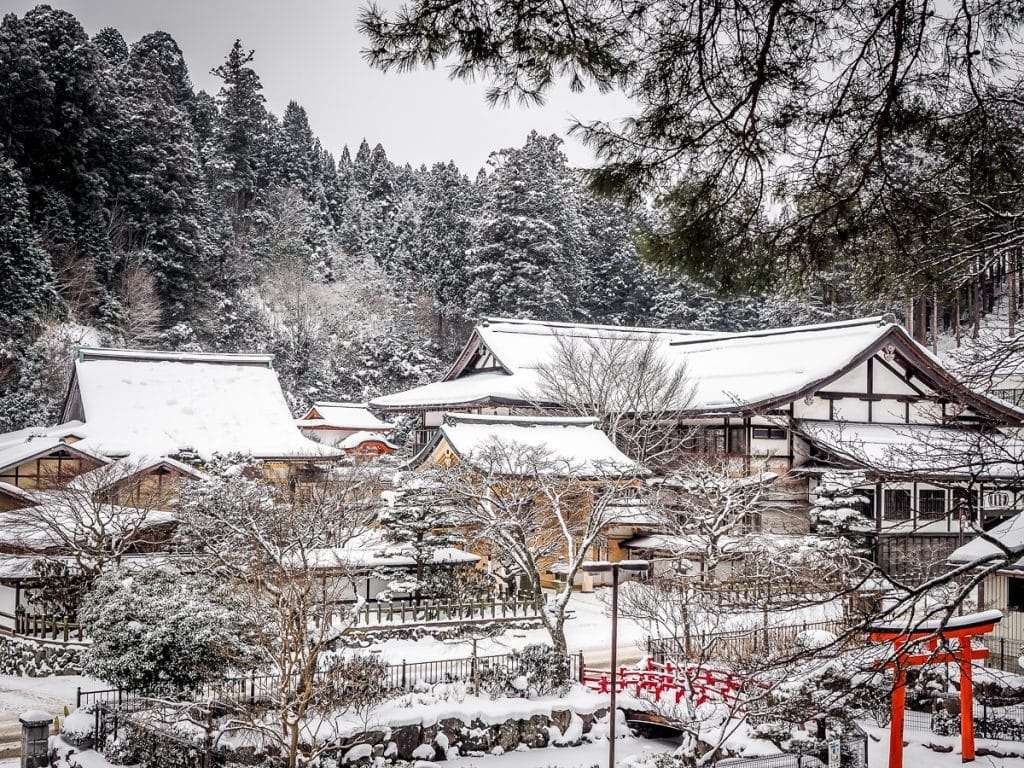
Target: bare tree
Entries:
(628, 383)
(93, 520)
(286, 558)
(532, 511)
(143, 309)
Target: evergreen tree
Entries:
(57, 124)
(240, 133)
(416, 525)
(525, 261)
(164, 202)
(447, 208)
(111, 44)
(26, 279)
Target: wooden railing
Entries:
(43, 626)
(400, 614)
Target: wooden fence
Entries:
(40, 626)
(398, 614)
(734, 645)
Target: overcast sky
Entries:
(309, 51)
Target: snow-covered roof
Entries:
(370, 551)
(160, 403)
(39, 443)
(1009, 534)
(29, 496)
(129, 466)
(355, 416)
(923, 450)
(36, 530)
(728, 371)
(575, 445)
(356, 439)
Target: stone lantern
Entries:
(35, 738)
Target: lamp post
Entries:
(603, 566)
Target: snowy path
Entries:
(18, 694)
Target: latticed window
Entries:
(897, 504)
(931, 503)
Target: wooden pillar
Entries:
(966, 702)
(899, 704)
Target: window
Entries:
(964, 497)
(897, 504)
(868, 507)
(709, 440)
(1015, 594)
(737, 441)
(931, 503)
(769, 433)
(1015, 396)
(717, 441)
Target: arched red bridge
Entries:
(667, 682)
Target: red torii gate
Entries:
(918, 645)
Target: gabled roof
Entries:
(354, 416)
(573, 446)
(922, 450)
(730, 372)
(15, 452)
(128, 467)
(162, 403)
(1009, 534)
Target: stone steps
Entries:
(10, 749)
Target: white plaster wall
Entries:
(817, 409)
(849, 409)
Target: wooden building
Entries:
(795, 401)
(334, 423)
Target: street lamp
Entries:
(603, 566)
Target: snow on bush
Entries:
(536, 670)
(79, 727)
(139, 620)
(814, 639)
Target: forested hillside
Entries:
(137, 211)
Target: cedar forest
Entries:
(139, 212)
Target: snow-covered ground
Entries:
(589, 630)
(917, 755)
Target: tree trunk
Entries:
(1011, 293)
(956, 316)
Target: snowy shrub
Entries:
(360, 681)
(79, 728)
(119, 749)
(536, 670)
(140, 620)
(545, 669)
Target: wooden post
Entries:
(899, 703)
(966, 702)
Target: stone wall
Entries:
(446, 739)
(28, 658)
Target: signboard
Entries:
(998, 500)
(835, 753)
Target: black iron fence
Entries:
(851, 749)
(1004, 654)
(991, 720)
(255, 688)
